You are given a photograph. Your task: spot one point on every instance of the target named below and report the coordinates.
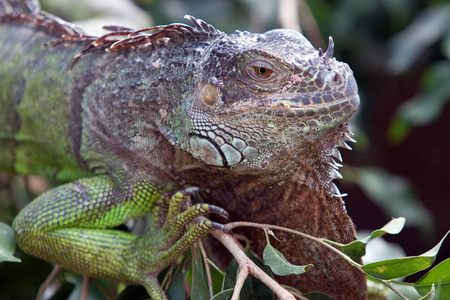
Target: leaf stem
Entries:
(304, 235)
(387, 283)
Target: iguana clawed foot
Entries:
(86, 243)
(174, 234)
(177, 219)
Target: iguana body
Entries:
(252, 118)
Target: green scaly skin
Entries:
(71, 227)
(255, 119)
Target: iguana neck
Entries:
(287, 202)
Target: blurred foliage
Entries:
(394, 194)
(399, 51)
(426, 106)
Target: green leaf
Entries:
(357, 249)
(7, 244)
(176, 290)
(278, 262)
(430, 295)
(407, 46)
(229, 280)
(199, 287)
(440, 277)
(426, 106)
(259, 289)
(401, 267)
(224, 295)
(217, 276)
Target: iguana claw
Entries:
(177, 219)
(221, 227)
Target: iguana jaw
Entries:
(290, 140)
(253, 132)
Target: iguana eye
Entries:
(262, 71)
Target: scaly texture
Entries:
(255, 119)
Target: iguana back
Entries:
(65, 124)
(35, 104)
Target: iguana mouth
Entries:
(306, 102)
(299, 107)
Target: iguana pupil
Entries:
(263, 72)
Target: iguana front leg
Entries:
(71, 226)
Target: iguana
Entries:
(143, 117)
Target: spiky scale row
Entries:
(334, 174)
(337, 154)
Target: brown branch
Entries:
(309, 25)
(247, 266)
(85, 288)
(242, 276)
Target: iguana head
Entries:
(250, 102)
(272, 102)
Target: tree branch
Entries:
(248, 267)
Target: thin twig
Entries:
(318, 240)
(309, 24)
(242, 276)
(85, 287)
(307, 236)
(108, 295)
(297, 295)
(47, 281)
(207, 268)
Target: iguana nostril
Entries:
(337, 78)
(334, 78)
